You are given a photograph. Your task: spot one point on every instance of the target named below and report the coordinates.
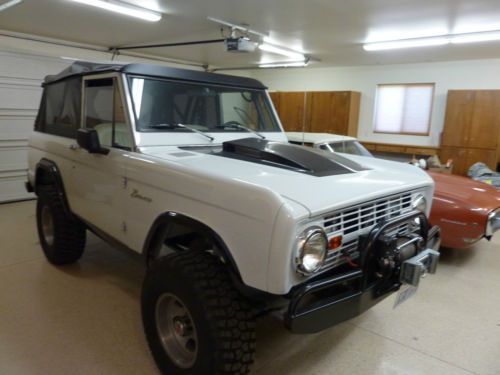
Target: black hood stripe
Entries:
(287, 156)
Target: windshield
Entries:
(350, 147)
(161, 105)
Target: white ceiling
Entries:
(330, 30)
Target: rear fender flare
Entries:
(47, 173)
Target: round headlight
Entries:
(313, 245)
(420, 203)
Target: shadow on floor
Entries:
(457, 257)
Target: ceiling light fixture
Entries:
(9, 4)
(297, 64)
(406, 43)
(473, 37)
(280, 51)
(122, 8)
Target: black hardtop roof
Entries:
(83, 68)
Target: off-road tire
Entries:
(223, 319)
(69, 234)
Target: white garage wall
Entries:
(473, 74)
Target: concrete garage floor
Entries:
(85, 318)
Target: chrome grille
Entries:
(357, 220)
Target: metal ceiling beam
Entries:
(178, 44)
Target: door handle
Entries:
(73, 146)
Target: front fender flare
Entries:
(166, 219)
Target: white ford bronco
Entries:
(192, 170)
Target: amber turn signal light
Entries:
(335, 242)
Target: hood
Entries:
(361, 179)
(466, 190)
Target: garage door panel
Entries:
(29, 66)
(16, 126)
(12, 187)
(19, 97)
(13, 164)
(20, 91)
(14, 155)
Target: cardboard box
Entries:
(442, 169)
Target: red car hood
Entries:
(475, 193)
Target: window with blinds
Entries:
(404, 108)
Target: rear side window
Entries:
(60, 110)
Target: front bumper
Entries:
(328, 301)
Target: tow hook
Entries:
(417, 267)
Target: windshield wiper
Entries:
(235, 125)
(178, 125)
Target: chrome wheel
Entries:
(47, 225)
(176, 330)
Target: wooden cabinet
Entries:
(464, 157)
(291, 109)
(417, 151)
(319, 111)
(472, 129)
(458, 118)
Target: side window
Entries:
(59, 112)
(105, 113)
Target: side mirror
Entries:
(88, 139)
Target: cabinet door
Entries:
(275, 98)
(485, 124)
(328, 112)
(354, 103)
(459, 113)
(340, 112)
(459, 157)
(464, 158)
(319, 112)
(290, 110)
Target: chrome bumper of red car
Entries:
(493, 223)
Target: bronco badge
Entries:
(135, 194)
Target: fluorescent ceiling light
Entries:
(408, 43)
(70, 58)
(280, 51)
(472, 37)
(297, 64)
(9, 4)
(475, 37)
(122, 8)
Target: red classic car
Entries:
(466, 210)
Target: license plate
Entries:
(404, 294)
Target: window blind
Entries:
(404, 109)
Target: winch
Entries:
(404, 259)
